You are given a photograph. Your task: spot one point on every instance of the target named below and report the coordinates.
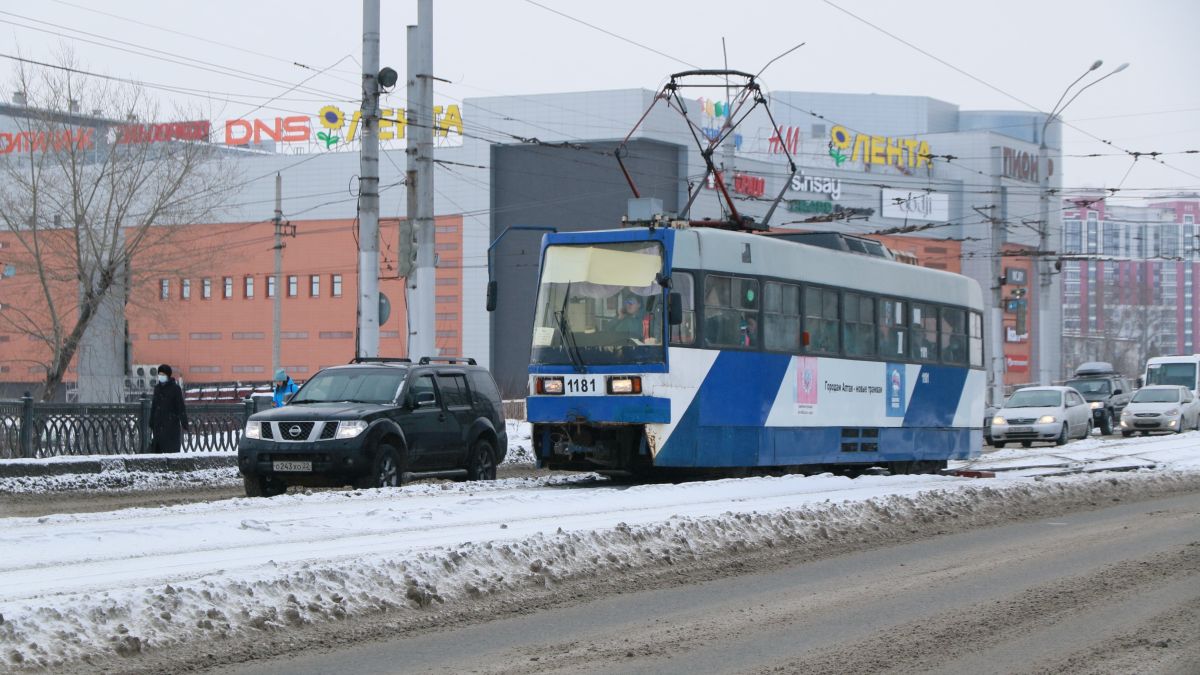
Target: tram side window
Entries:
(781, 317)
(858, 330)
(975, 339)
(821, 320)
(893, 329)
(924, 330)
(954, 336)
(684, 284)
(730, 312)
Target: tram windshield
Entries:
(600, 304)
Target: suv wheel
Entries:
(263, 486)
(1106, 423)
(482, 465)
(387, 470)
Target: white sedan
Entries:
(1165, 407)
(1047, 414)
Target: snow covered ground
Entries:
(76, 585)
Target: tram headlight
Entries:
(551, 386)
(625, 385)
(1047, 419)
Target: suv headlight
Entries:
(253, 430)
(1097, 404)
(350, 429)
(999, 420)
(1047, 419)
(1172, 412)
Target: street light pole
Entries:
(1045, 300)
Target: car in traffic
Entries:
(1042, 414)
(378, 423)
(1161, 408)
(1106, 392)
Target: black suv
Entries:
(1105, 391)
(375, 423)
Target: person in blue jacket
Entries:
(283, 387)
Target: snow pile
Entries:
(123, 481)
(126, 581)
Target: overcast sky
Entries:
(1017, 54)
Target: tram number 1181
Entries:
(584, 385)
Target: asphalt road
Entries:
(1114, 589)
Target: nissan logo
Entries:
(295, 431)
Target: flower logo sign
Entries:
(333, 119)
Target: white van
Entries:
(1179, 370)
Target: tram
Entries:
(702, 348)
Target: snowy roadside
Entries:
(149, 473)
(145, 579)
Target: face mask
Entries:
(162, 378)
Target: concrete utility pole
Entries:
(422, 339)
(368, 189)
(995, 319)
(277, 309)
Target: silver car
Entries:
(1164, 407)
(1046, 414)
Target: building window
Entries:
(293, 285)
(206, 288)
(1093, 232)
(1072, 237)
(1170, 240)
(447, 229)
(446, 281)
(335, 285)
(314, 285)
(227, 284)
(249, 287)
(185, 289)
(271, 286)
(164, 286)
(446, 299)
(445, 316)
(1112, 239)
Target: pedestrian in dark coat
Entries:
(167, 413)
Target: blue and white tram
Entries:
(776, 354)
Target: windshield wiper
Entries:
(568, 338)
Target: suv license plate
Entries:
(292, 466)
(1019, 430)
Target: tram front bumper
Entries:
(598, 409)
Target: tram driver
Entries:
(634, 322)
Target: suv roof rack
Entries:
(426, 360)
(380, 359)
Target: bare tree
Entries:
(95, 200)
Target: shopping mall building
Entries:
(962, 183)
